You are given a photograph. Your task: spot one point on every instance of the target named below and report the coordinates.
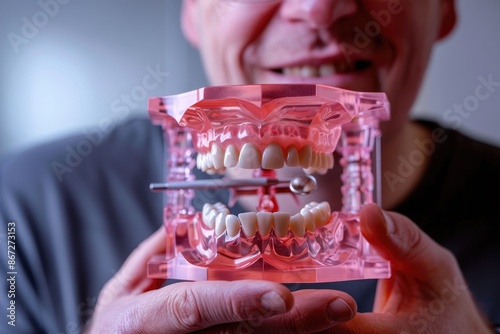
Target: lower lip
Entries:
(360, 80)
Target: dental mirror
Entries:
(303, 184)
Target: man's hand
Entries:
(426, 293)
(132, 303)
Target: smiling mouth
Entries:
(323, 70)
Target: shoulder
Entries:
(73, 172)
(93, 148)
(459, 147)
(75, 200)
(456, 185)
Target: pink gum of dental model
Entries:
(268, 126)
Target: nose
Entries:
(317, 13)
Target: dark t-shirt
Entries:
(80, 205)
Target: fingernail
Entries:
(273, 302)
(339, 310)
(388, 223)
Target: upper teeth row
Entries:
(272, 157)
(217, 217)
(318, 71)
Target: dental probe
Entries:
(302, 184)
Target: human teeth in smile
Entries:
(311, 71)
(218, 218)
(272, 157)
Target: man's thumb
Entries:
(402, 242)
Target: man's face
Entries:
(363, 45)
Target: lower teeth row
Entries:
(218, 218)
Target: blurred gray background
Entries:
(72, 65)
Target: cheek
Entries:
(408, 27)
(410, 35)
(226, 34)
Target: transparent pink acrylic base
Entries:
(295, 118)
(331, 253)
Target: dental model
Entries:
(265, 128)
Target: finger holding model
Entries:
(426, 292)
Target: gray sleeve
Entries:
(22, 297)
(73, 233)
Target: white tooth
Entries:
(319, 218)
(330, 161)
(249, 157)
(309, 71)
(325, 206)
(264, 222)
(311, 205)
(231, 156)
(207, 207)
(220, 223)
(326, 69)
(305, 156)
(272, 157)
(324, 161)
(248, 223)
(320, 164)
(217, 156)
(281, 223)
(315, 160)
(198, 161)
(208, 215)
(292, 156)
(203, 160)
(308, 219)
(287, 71)
(211, 171)
(310, 170)
(209, 161)
(295, 71)
(202, 166)
(220, 207)
(298, 225)
(232, 225)
(321, 214)
(206, 164)
(321, 171)
(211, 219)
(321, 161)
